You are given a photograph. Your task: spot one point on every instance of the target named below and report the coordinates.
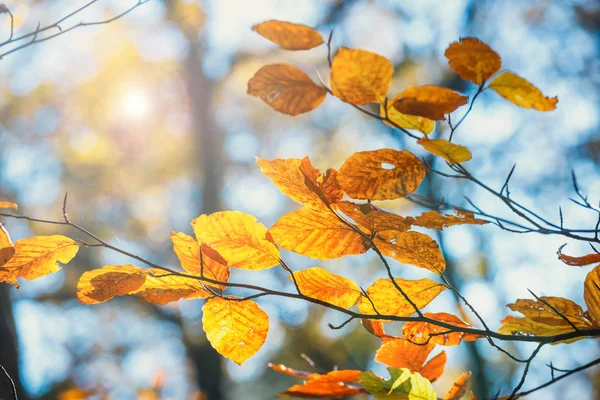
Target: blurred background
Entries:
(146, 122)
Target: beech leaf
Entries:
(473, 60)
(522, 93)
(288, 35)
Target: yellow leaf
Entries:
(100, 285)
(6, 204)
(578, 261)
(160, 287)
(406, 121)
(321, 284)
(591, 295)
(236, 329)
(286, 88)
(373, 220)
(383, 174)
(453, 153)
(316, 234)
(288, 35)
(403, 385)
(239, 238)
(423, 332)
(473, 60)
(439, 221)
(7, 248)
(360, 77)
(428, 101)
(522, 93)
(459, 387)
(210, 264)
(389, 301)
(412, 248)
(302, 182)
(401, 353)
(38, 256)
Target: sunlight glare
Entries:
(135, 104)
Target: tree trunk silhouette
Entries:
(9, 354)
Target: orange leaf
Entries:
(459, 387)
(302, 182)
(473, 60)
(316, 234)
(288, 35)
(236, 329)
(38, 256)
(578, 261)
(439, 221)
(423, 332)
(372, 220)
(289, 371)
(160, 287)
(407, 121)
(100, 285)
(330, 385)
(591, 295)
(321, 284)
(239, 238)
(429, 101)
(210, 264)
(7, 248)
(286, 88)
(412, 248)
(375, 328)
(360, 77)
(400, 353)
(522, 93)
(453, 153)
(6, 204)
(389, 301)
(383, 174)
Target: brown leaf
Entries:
(288, 35)
(439, 221)
(286, 89)
(423, 332)
(522, 93)
(100, 285)
(578, 261)
(591, 295)
(372, 220)
(400, 353)
(412, 248)
(473, 60)
(459, 387)
(429, 101)
(406, 121)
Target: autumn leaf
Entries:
(402, 385)
(334, 384)
(428, 101)
(302, 182)
(473, 60)
(236, 329)
(288, 35)
(459, 387)
(389, 301)
(522, 93)
(102, 284)
(578, 261)
(359, 77)
(321, 284)
(591, 295)
(7, 248)
(317, 234)
(406, 121)
(439, 221)
(6, 204)
(401, 353)
(375, 328)
(38, 256)
(453, 153)
(210, 263)
(372, 220)
(423, 332)
(290, 371)
(383, 174)
(161, 287)
(412, 248)
(286, 88)
(239, 238)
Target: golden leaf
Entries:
(239, 238)
(372, 220)
(412, 248)
(7, 248)
(522, 93)
(302, 182)
(383, 174)
(439, 221)
(102, 284)
(317, 234)
(38, 256)
(236, 329)
(286, 88)
(406, 121)
(401, 353)
(453, 153)
(288, 35)
(423, 332)
(459, 387)
(330, 385)
(591, 295)
(428, 101)
(210, 263)
(403, 385)
(578, 261)
(360, 77)
(321, 284)
(473, 60)
(160, 287)
(6, 204)
(389, 301)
